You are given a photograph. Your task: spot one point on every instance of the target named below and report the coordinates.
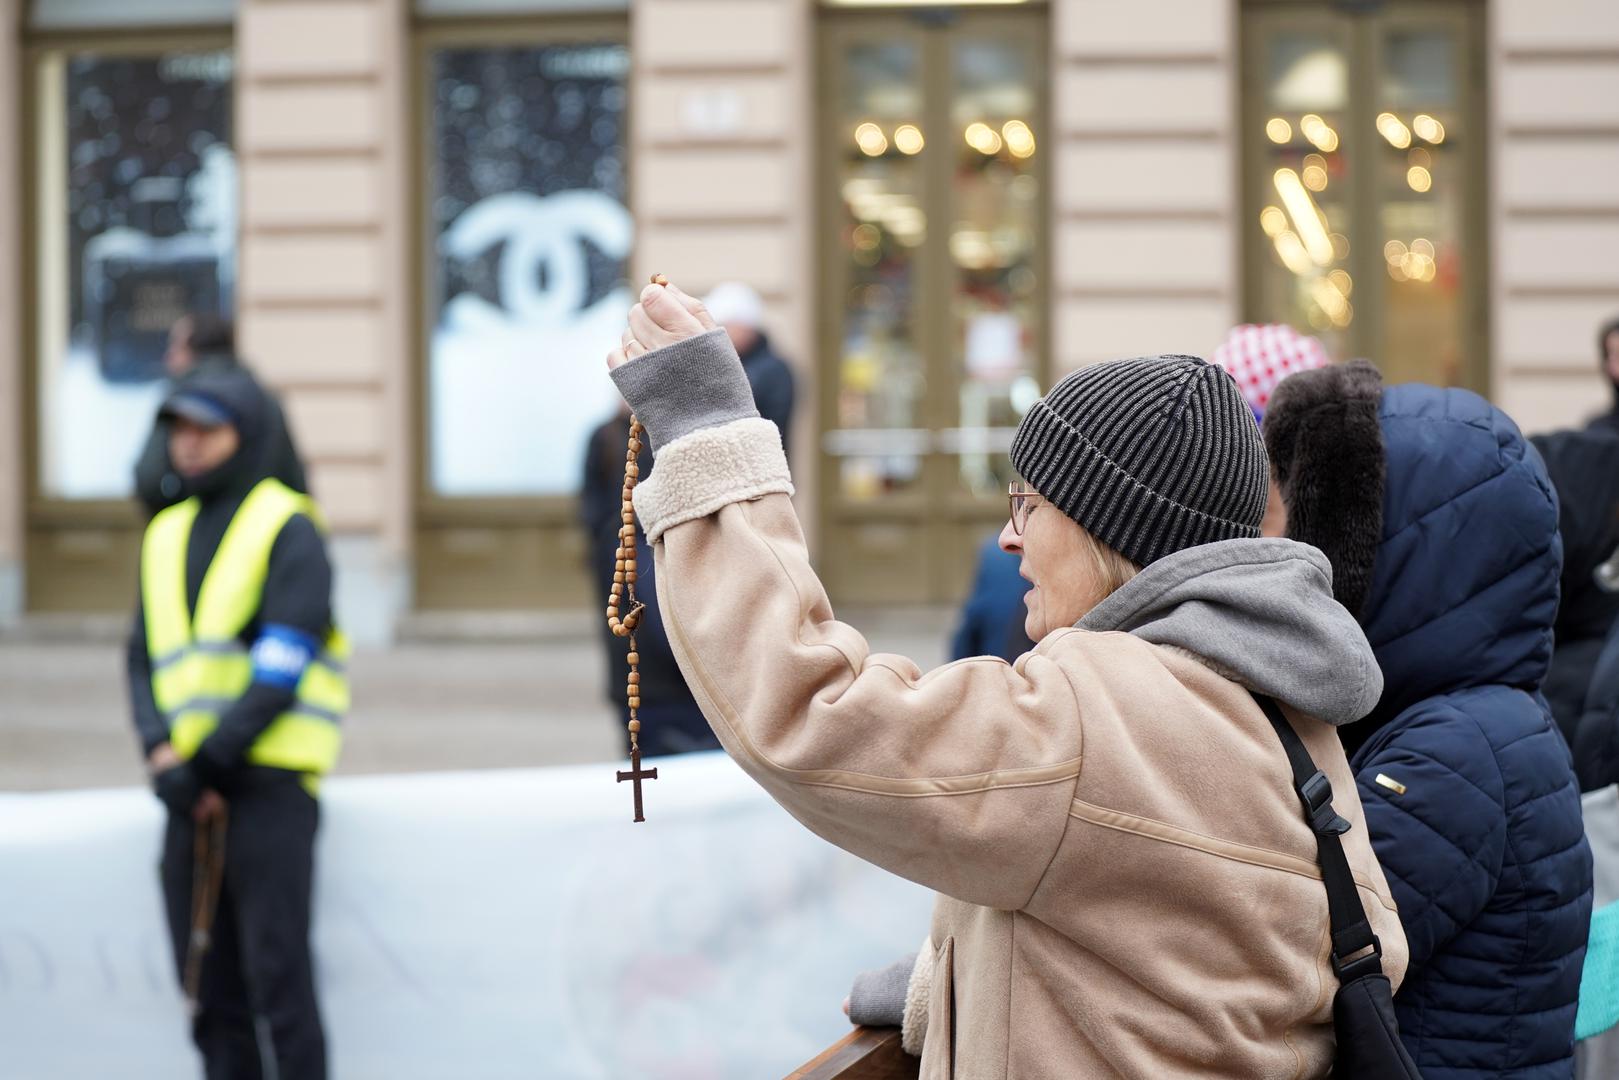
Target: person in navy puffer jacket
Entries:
(1451, 560)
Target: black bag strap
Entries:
(1351, 931)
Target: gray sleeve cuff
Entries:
(685, 387)
(878, 997)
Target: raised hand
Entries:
(665, 315)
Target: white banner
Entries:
(507, 924)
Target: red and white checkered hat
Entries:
(1259, 357)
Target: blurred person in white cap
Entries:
(738, 308)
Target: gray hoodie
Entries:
(1260, 611)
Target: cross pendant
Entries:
(636, 775)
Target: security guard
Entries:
(238, 686)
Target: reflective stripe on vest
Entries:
(200, 666)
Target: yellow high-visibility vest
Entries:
(200, 665)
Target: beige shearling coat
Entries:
(1127, 886)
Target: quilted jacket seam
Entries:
(1530, 559)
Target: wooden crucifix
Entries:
(636, 775)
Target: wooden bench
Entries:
(863, 1054)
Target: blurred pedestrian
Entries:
(237, 685)
(1091, 815)
(1596, 759)
(1584, 469)
(739, 309)
(202, 344)
(1260, 356)
(1596, 735)
(671, 722)
(1608, 358)
(993, 616)
(1441, 526)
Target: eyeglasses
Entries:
(1023, 499)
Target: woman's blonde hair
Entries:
(1113, 571)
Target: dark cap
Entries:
(199, 408)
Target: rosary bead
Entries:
(635, 703)
(635, 678)
(629, 517)
(629, 576)
(618, 577)
(619, 565)
(635, 727)
(633, 469)
(635, 658)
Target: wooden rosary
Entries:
(624, 592)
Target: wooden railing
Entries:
(864, 1054)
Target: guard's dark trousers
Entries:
(259, 964)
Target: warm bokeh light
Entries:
(1393, 129)
(871, 140)
(1306, 217)
(983, 138)
(1291, 250)
(908, 139)
(1279, 131)
(1419, 178)
(1428, 129)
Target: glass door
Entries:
(934, 271)
(1364, 210)
(132, 224)
(526, 245)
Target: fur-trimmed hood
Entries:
(1438, 519)
(1326, 455)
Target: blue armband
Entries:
(281, 654)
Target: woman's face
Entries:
(1058, 563)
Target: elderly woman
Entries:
(1127, 884)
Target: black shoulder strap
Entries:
(1351, 932)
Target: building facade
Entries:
(427, 218)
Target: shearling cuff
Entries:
(685, 387)
(701, 473)
(913, 1030)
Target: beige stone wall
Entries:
(1144, 189)
(324, 267)
(11, 415)
(720, 164)
(1554, 77)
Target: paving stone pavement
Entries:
(421, 705)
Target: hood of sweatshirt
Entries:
(1262, 612)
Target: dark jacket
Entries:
(1596, 737)
(1584, 468)
(992, 618)
(772, 383)
(673, 722)
(1484, 848)
(157, 485)
(297, 589)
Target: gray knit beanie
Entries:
(1151, 456)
